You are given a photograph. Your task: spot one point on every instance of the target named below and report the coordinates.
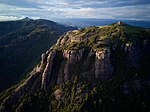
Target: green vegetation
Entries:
(126, 90)
(105, 36)
(21, 45)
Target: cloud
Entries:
(20, 3)
(2, 18)
(51, 9)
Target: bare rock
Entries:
(60, 77)
(43, 56)
(66, 71)
(146, 44)
(120, 23)
(72, 57)
(133, 52)
(58, 94)
(103, 67)
(77, 38)
(59, 41)
(43, 60)
(47, 71)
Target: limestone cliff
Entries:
(103, 66)
(48, 69)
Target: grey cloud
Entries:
(20, 3)
(77, 8)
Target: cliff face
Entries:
(81, 66)
(134, 54)
(103, 66)
(48, 69)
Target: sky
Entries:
(59, 9)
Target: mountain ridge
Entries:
(98, 68)
(21, 43)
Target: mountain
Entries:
(21, 44)
(85, 22)
(93, 69)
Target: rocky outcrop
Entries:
(60, 76)
(70, 37)
(146, 44)
(62, 40)
(72, 57)
(47, 71)
(58, 94)
(77, 38)
(121, 23)
(103, 66)
(43, 60)
(133, 52)
(66, 71)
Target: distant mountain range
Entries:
(21, 44)
(84, 22)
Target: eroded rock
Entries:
(133, 53)
(43, 60)
(58, 94)
(47, 71)
(103, 67)
(72, 57)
